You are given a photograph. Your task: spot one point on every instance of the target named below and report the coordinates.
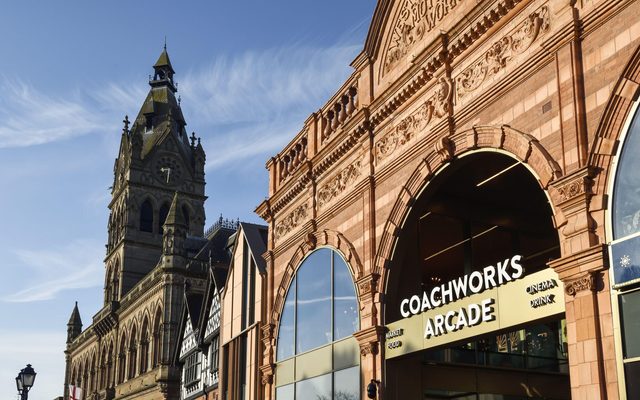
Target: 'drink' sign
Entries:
(491, 299)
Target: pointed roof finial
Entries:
(175, 217)
(125, 121)
(193, 139)
(165, 42)
(75, 319)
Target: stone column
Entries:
(583, 269)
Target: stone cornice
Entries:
(593, 259)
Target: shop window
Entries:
(630, 316)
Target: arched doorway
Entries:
(472, 309)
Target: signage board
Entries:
(492, 306)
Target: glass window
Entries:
(285, 392)
(345, 306)
(318, 388)
(632, 376)
(313, 320)
(346, 384)
(321, 305)
(630, 310)
(286, 332)
(625, 257)
(626, 199)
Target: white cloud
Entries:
(29, 117)
(75, 266)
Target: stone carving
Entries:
(368, 284)
(416, 17)
(574, 188)
(436, 106)
(291, 221)
(336, 185)
(368, 348)
(503, 51)
(587, 282)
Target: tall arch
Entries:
(157, 338)
(144, 346)
(146, 216)
(518, 145)
(325, 237)
(133, 352)
(122, 358)
(615, 115)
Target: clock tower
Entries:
(156, 160)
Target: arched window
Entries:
(110, 366)
(144, 347)
(185, 214)
(625, 254)
(320, 310)
(146, 216)
(133, 353)
(164, 211)
(122, 359)
(157, 338)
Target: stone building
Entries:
(156, 245)
(472, 188)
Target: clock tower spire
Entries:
(156, 159)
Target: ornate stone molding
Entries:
(574, 188)
(267, 373)
(291, 221)
(416, 18)
(369, 339)
(367, 285)
(587, 282)
(337, 184)
(503, 51)
(437, 105)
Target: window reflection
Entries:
(345, 307)
(286, 333)
(311, 302)
(314, 302)
(318, 388)
(626, 204)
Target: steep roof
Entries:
(256, 237)
(75, 319)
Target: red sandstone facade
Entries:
(549, 83)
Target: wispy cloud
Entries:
(29, 117)
(75, 266)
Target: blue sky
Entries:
(249, 74)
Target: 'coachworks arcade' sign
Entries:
(493, 298)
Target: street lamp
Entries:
(24, 381)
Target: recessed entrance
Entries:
(475, 312)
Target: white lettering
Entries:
(448, 321)
(425, 302)
(439, 322)
(414, 300)
(446, 293)
(474, 315)
(515, 264)
(489, 277)
(460, 286)
(503, 276)
(477, 276)
(487, 310)
(462, 319)
(435, 301)
(403, 306)
(428, 330)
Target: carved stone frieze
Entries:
(337, 184)
(415, 19)
(587, 282)
(437, 105)
(503, 51)
(368, 285)
(291, 221)
(574, 188)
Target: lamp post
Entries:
(24, 381)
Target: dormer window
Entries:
(148, 124)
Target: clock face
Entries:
(167, 170)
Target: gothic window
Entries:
(157, 339)
(103, 368)
(110, 366)
(185, 214)
(144, 347)
(133, 353)
(122, 359)
(320, 308)
(146, 217)
(164, 211)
